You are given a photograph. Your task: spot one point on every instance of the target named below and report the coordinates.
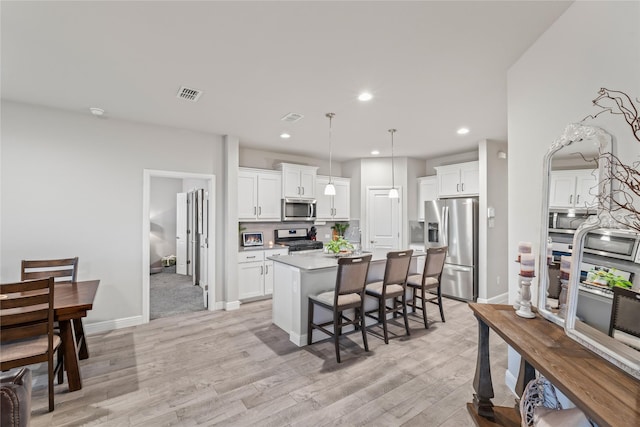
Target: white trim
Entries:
(299, 340)
(510, 380)
(110, 325)
(498, 299)
(146, 194)
(232, 305)
(219, 305)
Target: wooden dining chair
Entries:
(625, 316)
(392, 287)
(348, 294)
(424, 284)
(26, 323)
(63, 270)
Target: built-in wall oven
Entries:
(566, 221)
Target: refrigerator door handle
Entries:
(458, 268)
(445, 225)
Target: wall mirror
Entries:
(589, 307)
(571, 182)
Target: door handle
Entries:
(457, 188)
(578, 199)
(266, 269)
(302, 190)
(462, 186)
(571, 199)
(261, 270)
(259, 210)
(254, 210)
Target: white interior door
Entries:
(181, 233)
(383, 220)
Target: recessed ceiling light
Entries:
(285, 135)
(375, 152)
(462, 131)
(365, 96)
(96, 111)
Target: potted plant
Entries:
(339, 229)
(338, 246)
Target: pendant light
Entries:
(393, 193)
(330, 189)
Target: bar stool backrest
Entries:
(434, 263)
(352, 274)
(397, 268)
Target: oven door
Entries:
(613, 243)
(298, 210)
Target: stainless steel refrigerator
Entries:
(454, 223)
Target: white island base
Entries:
(298, 276)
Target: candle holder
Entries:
(525, 302)
(562, 299)
(518, 301)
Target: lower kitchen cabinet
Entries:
(255, 272)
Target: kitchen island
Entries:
(297, 276)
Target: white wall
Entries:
(592, 45)
(253, 158)
(162, 217)
(493, 259)
(72, 186)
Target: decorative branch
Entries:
(622, 104)
(624, 183)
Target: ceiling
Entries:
(432, 67)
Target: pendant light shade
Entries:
(393, 193)
(330, 189)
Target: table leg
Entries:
(81, 339)
(482, 380)
(526, 374)
(70, 355)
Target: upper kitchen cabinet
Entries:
(573, 189)
(427, 190)
(298, 181)
(458, 180)
(259, 195)
(333, 207)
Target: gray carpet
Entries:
(172, 294)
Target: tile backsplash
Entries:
(323, 230)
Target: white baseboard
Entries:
(232, 305)
(498, 299)
(298, 340)
(110, 325)
(510, 380)
(218, 306)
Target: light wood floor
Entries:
(236, 368)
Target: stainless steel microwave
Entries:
(566, 222)
(614, 244)
(298, 210)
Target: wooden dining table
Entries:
(71, 303)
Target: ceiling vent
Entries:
(292, 117)
(189, 94)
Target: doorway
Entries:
(384, 219)
(173, 293)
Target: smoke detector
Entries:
(291, 117)
(189, 94)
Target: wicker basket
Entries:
(539, 392)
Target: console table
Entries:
(605, 393)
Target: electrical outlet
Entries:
(497, 280)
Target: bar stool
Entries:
(428, 281)
(393, 287)
(348, 294)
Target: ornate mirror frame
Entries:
(605, 346)
(573, 133)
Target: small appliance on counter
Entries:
(297, 239)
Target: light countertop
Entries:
(317, 260)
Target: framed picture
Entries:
(252, 239)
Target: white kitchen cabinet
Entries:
(330, 208)
(427, 190)
(298, 181)
(458, 180)
(255, 272)
(259, 195)
(573, 189)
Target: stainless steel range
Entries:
(296, 239)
